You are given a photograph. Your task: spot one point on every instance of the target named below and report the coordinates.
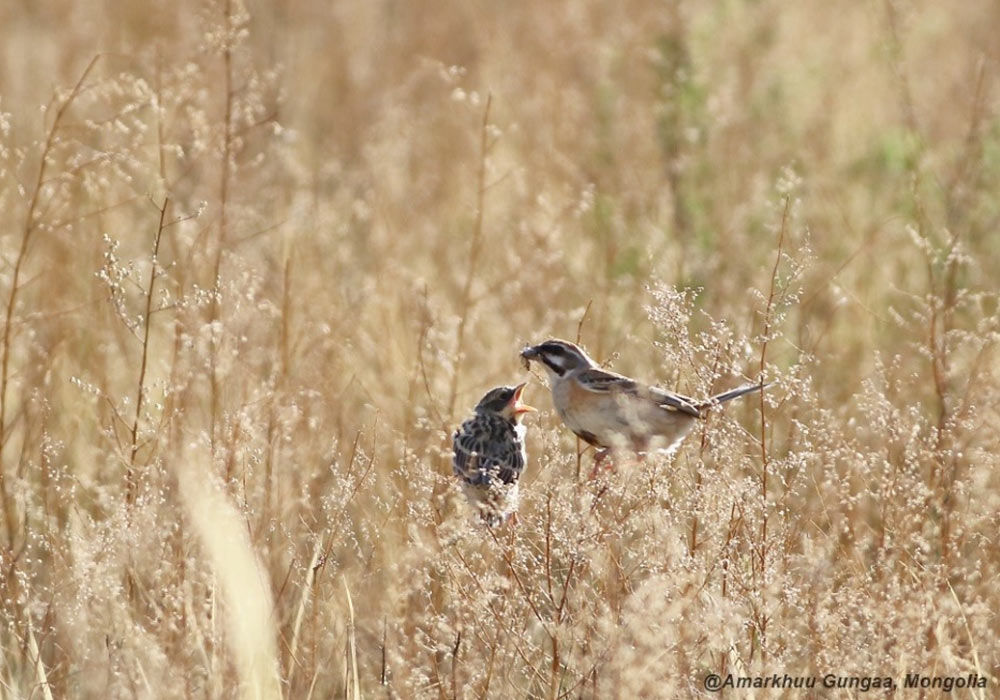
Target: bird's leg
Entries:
(602, 462)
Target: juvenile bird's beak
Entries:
(519, 407)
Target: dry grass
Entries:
(258, 262)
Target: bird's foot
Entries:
(602, 463)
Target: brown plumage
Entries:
(489, 453)
(610, 410)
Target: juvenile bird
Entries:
(610, 410)
(489, 453)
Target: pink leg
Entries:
(602, 462)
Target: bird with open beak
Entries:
(489, 453)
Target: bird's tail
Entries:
(732, 394)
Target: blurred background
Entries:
(260, 259)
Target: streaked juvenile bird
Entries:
(489, 453)
(609, 410)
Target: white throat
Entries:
(553, 377)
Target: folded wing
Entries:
(603, 382)
(479, 460)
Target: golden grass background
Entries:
(258, 261)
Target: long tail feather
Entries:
(733, 394)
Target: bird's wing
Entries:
(479, 458)
(510, 463)
(674, 402)
(465, 458)
(601, 381)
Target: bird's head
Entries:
(505, 401)
(559, 357)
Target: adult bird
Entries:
(610, 410)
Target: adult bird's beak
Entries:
(527, 355)
(519, 407)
